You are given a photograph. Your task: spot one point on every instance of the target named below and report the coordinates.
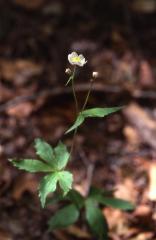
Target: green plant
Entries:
(58, 181)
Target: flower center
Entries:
(76, 59)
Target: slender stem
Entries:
(76, 109)
(88, 95)
(84, 105)
(74, 92)
(73, 142)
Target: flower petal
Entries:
(83, 60)
(71, 56)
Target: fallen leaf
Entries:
(143, 211)
(21, 110)
(4, 235)
(126, 190)
(132, 135)
(142, 122)
(19, 71)
(78, 232)
(117, 221)
(144, 236)
(146, 75)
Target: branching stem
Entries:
(77, 107)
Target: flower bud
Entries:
(95, 74)
(68, 71)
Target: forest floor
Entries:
(121, 149)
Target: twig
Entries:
(79, 87)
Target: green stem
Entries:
(84, 105)
(88, 95)
(74, 92)
(76, 109)
(73, 142)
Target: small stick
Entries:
(79, 87)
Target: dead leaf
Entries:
(4, 235)
(126, 190)
(142, 122)
(20, 70)
(144, 236)
(143, 211)
(117, 221)
(132, 135)
(78, 232)
(21, 110)
(146, 75)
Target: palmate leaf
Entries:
(93, 112)
(44, 151)
(31, 165)
(96, 220)
(64, 217)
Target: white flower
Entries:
(76, 59)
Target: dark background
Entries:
(117, 37)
